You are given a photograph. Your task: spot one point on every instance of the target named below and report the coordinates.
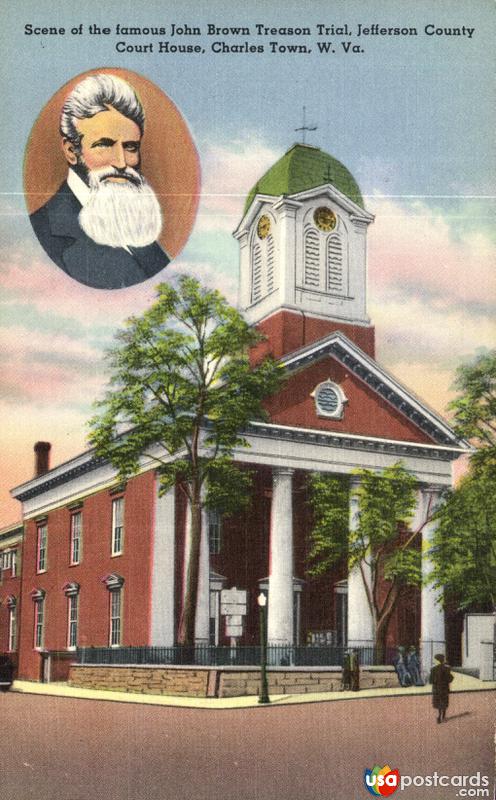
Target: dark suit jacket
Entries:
(440, 678)
(57, 227)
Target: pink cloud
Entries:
(229, 172)
(411, 247)
(49, 289)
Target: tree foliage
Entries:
(464, 544)
(475, 407)
(378, 542)
(181, 392)
(329, 498)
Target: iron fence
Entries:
(243, 655)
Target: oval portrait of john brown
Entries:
(111, 178)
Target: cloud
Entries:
(230, 170)
(210, 275)
(447, 261)
(52, 370)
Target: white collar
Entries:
(78, 187)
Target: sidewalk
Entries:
(461, 683)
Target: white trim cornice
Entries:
(338, 346)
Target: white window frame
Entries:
(117, 547)
(72, 620)
(76, 538)
(8, 560)
(39, 626)
(214, 522)
(336, 413)
(115, 627)
(13, 628)
(41, 551)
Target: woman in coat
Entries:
(440, 678)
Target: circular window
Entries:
(329, 400)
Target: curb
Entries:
(231, 703)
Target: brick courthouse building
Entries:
(103, 563)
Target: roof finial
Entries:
(306, 127)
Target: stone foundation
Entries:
(198, 681)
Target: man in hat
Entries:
(440, 677)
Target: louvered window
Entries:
(334, 265)
(256, 286)
(312, 259)
(270, 264)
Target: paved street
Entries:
(68, 749)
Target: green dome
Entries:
(304, 167)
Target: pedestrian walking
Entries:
(440, 677)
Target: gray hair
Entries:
(94, 94)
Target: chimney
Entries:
(41, 458)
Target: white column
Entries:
(202, 622)
(286, 210)
(280, 610)
(432, 636)
(360, 622)
(162, 607)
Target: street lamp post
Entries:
(264, 689)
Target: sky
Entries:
(412, 117)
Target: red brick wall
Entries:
(9, 586)
(287, 331)
(365, 413)
(134, 565)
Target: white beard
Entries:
(121, 214)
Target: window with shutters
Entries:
(312, 259)
(256, 270)
(325, 260)
(270, 264)
(334, 264)
(263, 265)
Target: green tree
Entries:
(464, 546)
(475, 407)
(464, 543)
(379, 542)
(181, 389)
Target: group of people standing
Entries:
(407, 666)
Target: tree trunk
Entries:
(187, 628)
(383, 619)
(380, 640)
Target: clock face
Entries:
(325, 218)
(263, 227)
